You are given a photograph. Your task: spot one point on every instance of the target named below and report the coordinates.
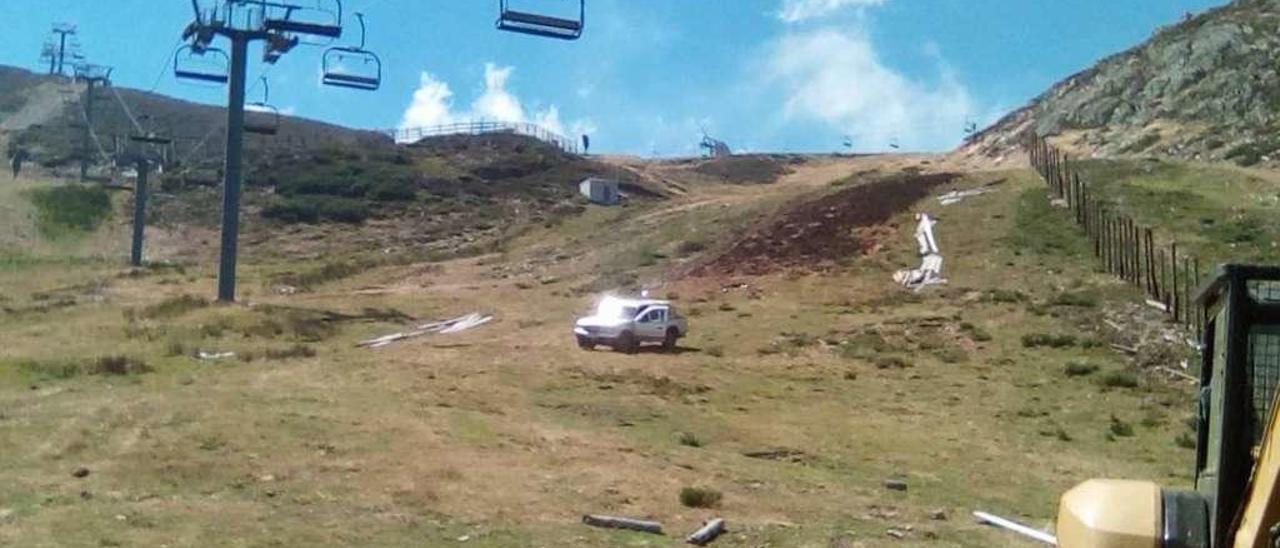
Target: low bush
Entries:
(295, 351)
(70, 208)
(1083, 299)
(1080, 368)
(690, 247)
(975, 332)
(892, 362)
(1120, 428)
(700, 497)
(120, 365)
(1120, 379)
(315, 208)
(689, 439)
(174, 306)
(1051, 340)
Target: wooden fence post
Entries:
(1152, 282)
(1173, 261)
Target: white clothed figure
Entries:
(930, 271)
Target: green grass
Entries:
(70, 209)
(525, 431)
(1216, 214)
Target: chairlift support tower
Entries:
(280, 31)
(93, 76)
(58, 58)
(140, 190)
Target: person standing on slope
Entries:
(19, 156)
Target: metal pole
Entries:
(62, 51)
(139, 212)
(231, 182)
(88, 126)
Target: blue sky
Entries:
(764, 75)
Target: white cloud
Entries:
(835, 76)
(432, 104)
(795, 11)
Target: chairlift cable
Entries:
(94, 136)
(127, 112)
(191, 153)
(164, 66)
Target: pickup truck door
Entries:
(652, 324)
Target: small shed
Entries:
(600, 191)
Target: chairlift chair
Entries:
(260, 118)
(208, 65)
(538, 24)
(326, 23)
(352, 67)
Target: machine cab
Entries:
(1240, 368)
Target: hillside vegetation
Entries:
(798, 395)
(1204, 88)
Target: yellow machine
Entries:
(1236, 501)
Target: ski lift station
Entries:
(600, 191)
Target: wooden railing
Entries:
(409, 135)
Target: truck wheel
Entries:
(669, 341)
(585, 343)
(627, 342)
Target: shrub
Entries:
(295, 351)
(689, 439)
(1119, 428)
(174, 306)
(1033, 340)
(322, 274)
(1005, 296)
(50, 369)
(393, 190)
(314, 209)
(690, 247)
(1185, 441)
(715, 351)
(975, 332)
(1083, 299)
(951, 354)
(1080, 368)
(176, 348)
(892, 362)
(1120, 379)
(699, 497)
(120, 365)
(70, 208)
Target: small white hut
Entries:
(600, 191)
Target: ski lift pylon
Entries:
(352, 66)
(538, 24)
(260, 118)
(196, 65)
(280, 17)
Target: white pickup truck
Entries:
(626, 323)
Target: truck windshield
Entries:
(615, 309)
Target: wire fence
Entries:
(1125, 248)
(409, 135)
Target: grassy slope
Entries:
(1218, 213)
(508, 433)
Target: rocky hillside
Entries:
(1205, 88)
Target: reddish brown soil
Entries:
(817, 234)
